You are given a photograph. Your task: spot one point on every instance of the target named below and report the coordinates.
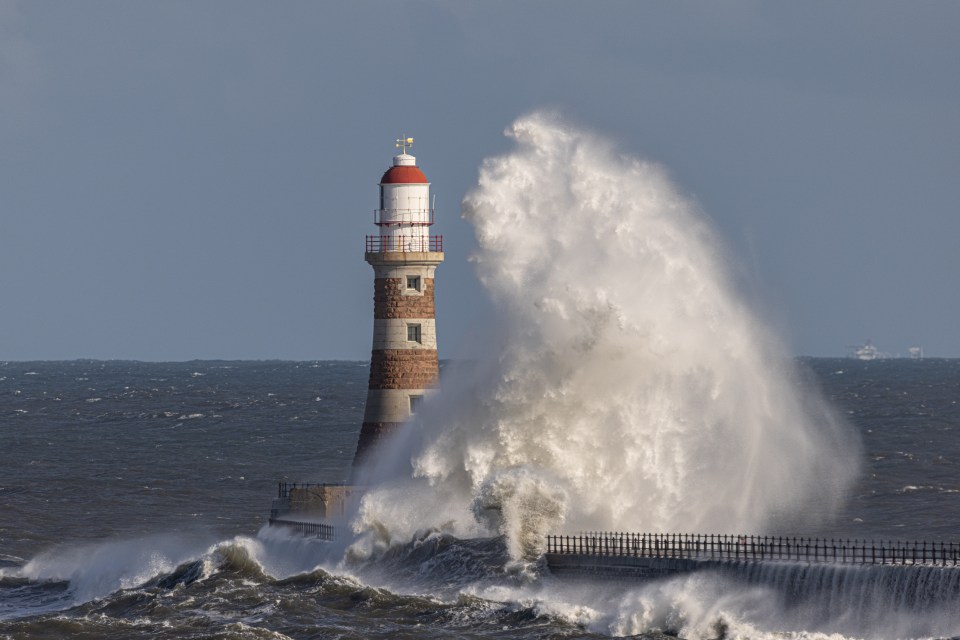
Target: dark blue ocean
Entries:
(133, 498)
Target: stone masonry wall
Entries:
(390, 301)
(370, 434)
(403, 368)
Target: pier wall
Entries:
(325, 501)
(622, 567)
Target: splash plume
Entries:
(625, 385)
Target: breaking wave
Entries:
(624, 385)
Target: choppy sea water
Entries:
(133, 498)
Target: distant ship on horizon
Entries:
(869, 351)
(866, 351)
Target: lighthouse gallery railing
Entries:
(404, 244)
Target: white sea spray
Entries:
(625, 385)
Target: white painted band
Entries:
(399, 270)
(390, 405)
(394, 333)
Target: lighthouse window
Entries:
(413, 282)
(413, 333)
(415, 402)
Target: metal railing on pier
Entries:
(739, 548)
(307, 529)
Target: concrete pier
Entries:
(620, 567)
(652, 555)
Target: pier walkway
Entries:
(657, 554)
(738, 548)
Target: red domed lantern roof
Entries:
(404, 175)
(404, 171)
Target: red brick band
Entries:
(370, 434)
(389, 300)
(403, 368)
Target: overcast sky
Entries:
(188, 179)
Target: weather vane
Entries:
(403, 143)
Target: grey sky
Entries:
(194, 179)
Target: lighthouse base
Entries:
(327, 502)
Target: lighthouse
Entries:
(404, 256)
(403, 362)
